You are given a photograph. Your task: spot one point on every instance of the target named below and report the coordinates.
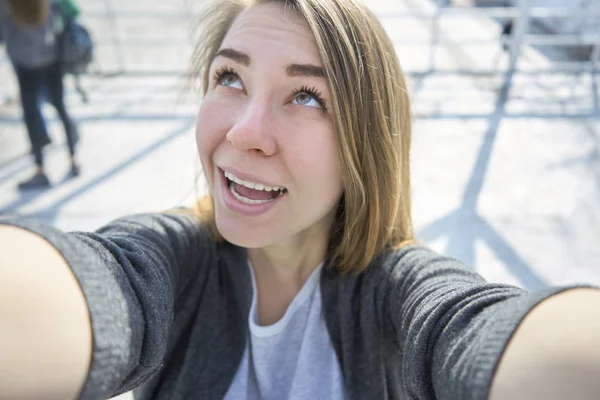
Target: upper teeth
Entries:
(252, 185)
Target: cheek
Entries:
(331, 168)
(334, 173)
(211, 126)
(316, 159)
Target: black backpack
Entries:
(75, 49)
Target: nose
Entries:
(253, 131)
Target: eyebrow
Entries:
(305, 70)
(234, 55)
(291, 70)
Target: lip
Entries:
(247, 177)
(233, 204)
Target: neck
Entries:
(292, 261)
(282, 268)
(289, 262)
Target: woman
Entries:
(298, 277)
(31, 29)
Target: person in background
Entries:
(31, 31)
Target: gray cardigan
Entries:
(169, 310)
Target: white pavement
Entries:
(511, 188)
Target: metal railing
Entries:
(115, 48)
(523, 14)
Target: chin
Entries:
(243, 236)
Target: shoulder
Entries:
(389, 270)
(417, 262)
(392, 264)
(177, 230)
(412, 271)
(171, 222)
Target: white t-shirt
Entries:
(292, 358)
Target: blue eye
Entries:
(305, 99)
(228, 77)
(309, 97)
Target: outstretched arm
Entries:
(462, 338)
(555, 352)
(129, 276)
(45, 331)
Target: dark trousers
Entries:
(34, 84)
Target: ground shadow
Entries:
(464, 226)
(27, 197)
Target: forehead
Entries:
(272, 27)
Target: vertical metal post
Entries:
(434, 38)
(583, 10)
(4, 97)
(595, 56)
(111, 16)
(521, 27)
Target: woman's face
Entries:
(265, 133)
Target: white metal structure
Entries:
(116, 31)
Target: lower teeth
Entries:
(247, 200)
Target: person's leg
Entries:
(54, 82)
(30, 83)
(29, 86)
(40, 126)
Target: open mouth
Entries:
(252, 192)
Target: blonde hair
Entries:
(30, 13)
(372, 119)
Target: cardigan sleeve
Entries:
(451, 325)
(131, 272)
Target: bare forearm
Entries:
(555, 353)
(45, 333)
